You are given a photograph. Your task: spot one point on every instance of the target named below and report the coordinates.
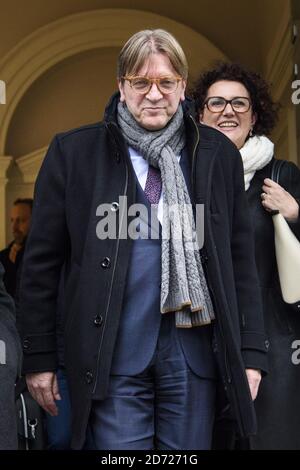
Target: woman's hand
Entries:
(274, 197)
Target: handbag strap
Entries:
(275, 176)
(276, 169)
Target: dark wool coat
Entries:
(11, 269)
(278, 401)
(91, 166)
(10, 367)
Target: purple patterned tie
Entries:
(153, 185)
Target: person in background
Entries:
(237, 102)
(147, 319)
(58, 428)
(11, 257)
(10, 369)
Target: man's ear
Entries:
(182, 94)
(201, 118)
(121, 89)
(254, 119)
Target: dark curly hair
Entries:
(262, 105)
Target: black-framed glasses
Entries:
(217, 104)
(142, 85)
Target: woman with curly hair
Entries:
(237, 102)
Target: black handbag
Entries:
(30, 420)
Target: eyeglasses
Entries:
(142, 85)
(217, 104)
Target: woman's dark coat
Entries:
(278, 401)
(91, 166)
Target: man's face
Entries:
(154, 109)
(20, 217)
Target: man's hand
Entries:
(254, 378)
(44, 389)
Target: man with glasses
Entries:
(151, 321)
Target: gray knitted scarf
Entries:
(183, 284)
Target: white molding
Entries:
(30, 164)
(5, 163)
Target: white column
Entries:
(30, 164)
(4, 165)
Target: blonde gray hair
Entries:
(150, 41)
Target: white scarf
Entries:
(256, 154)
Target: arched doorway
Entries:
(33, 60)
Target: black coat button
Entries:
(106, 263)
(98, 320)
(89, 377)
(26, 344)
(267, 344)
